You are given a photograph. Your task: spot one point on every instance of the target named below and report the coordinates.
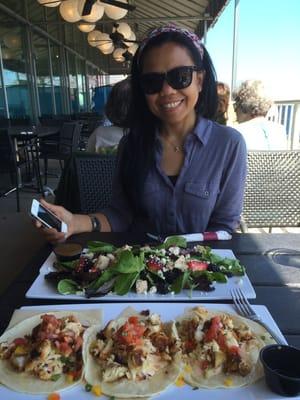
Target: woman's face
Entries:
(172, 106)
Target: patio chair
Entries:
(272, 195)
(62, 148)
(86, 183)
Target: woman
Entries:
(177, 170)
(116, 110)
(251, 104)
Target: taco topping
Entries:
(214, 344)
(52, 349)
(135, 348)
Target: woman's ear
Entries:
(200, 80)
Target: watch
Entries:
(96, 225)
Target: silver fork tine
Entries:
(244, 308)
(245, 302)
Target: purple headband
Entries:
(172, 28)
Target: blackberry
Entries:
(172, 274)
(204, 284)
(213, 268)
(162, 287)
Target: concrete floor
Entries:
(18, 237)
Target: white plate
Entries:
(42, 289)
(256, 391)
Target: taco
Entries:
(135, 355)
(220, 350)
(43, 353)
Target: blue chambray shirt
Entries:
(207, 196)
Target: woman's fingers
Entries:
(53, 236)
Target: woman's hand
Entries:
(51, 234)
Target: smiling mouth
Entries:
(172, 105)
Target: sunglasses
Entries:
(177, 78)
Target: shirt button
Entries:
(206, 193)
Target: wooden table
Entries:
(277, 286)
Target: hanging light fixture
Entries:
(133, 48)
(86, 27)
(69, 11)
(93, 14)
(105, 43)
(118, 55)
(123, 28)
(94, 38)
(114, 12)
(49, 3)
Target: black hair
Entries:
(138, 152)
(116, 107)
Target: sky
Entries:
(268, 45)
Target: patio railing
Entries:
(288, 113)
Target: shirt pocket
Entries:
(203, 190)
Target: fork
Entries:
(244, 309)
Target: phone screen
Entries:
(50, 219)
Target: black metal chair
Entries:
(86, 183)
(61, 149)
(272, 195)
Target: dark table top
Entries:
(30, 131)
(277, 286)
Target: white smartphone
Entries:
(46, 217)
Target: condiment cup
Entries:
(67, 251)
(282, 369)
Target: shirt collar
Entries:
(203, 130)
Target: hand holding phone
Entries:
(46, 217)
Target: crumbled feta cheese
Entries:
(163, 252)
(127, 247)
(141, 286)
(180, 263)
(111, 256)
(153, 289)
(174, 250)
(163, 261)
(90, 256)
(103, 262)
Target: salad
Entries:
(167, 268)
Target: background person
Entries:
(178, 171)
(116, 110)
(251, 104)
(223, 103)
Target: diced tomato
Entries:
(221, 340)
(65, 349)
(212, 332)
(20, 342)
(78, 343)
(195, 265)
(133, 320)
(53, 396)
(190, 345)
(234, 350)
(130, 333)
(204, 364)
(154, 265)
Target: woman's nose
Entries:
(166, 88)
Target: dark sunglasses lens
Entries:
(180, 78)
(152, 83)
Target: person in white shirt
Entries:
(116, 110)
(251, 105)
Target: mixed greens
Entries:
(167, 268)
